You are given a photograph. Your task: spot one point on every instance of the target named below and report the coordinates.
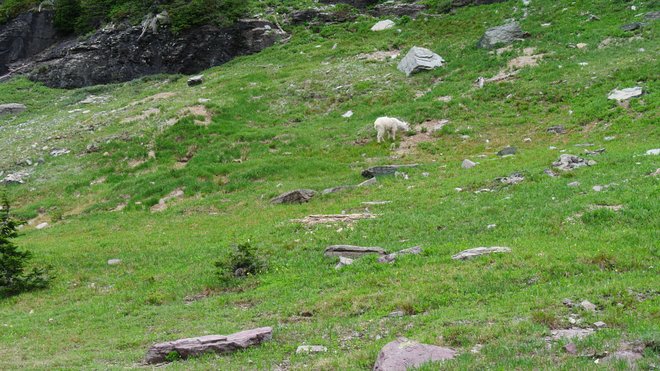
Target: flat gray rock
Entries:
(403, 354)
(389, 258)
(571, 333)
(625, 94)
(211, 343)
(478, 251)
(298, 196)
(11, 108)
(507, 151)
(505, 34)
(350, 251)
(419, 59)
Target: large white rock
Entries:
(625, 94)
(383, 25)
(419, 59)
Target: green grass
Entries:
(279, 112)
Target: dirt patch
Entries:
(183, 161)
(424, 133)
(143, 116)
(528, 59)
(333, 218)
(197, 111)
(380, 56)
(135, 163)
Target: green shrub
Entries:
(66, 11)
(242, 261)
(14, 278)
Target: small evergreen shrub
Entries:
(242, 261)
(14, 278)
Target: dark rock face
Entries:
(25, 36)
(399, 10)
(122, 53)
(360, 4)
(461, 3)
(318, 16)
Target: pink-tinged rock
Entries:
(403, 354)
(210, 343)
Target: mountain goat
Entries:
(389, 125)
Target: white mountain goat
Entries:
(389, 125)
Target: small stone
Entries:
(600, 324)
(196, 80)
(347, 114)
(527, 140)
(42, 225)
(311, 349)
(368, 182)
(588, 306)
(114, 261)
(11, 108)
(467, 164)
(574, 184)
(558, 129)
(610, 138)
(343, 261)
(383, 25)
(568, 302)
(425, 174)
(581, 45)
(653, 152)
(397, 313)
(491, 226)
(504, 34)
(572, 333)
(597, 188)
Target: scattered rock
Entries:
(347, 114)
(504, 34)
(397, 313)
(558, 129)
(11, 108)
(343, 261)
(59, 152)
(211, 343)
(444, 98)
(383, 25)
(568, 162)
(350, 251)
(581, 45)
(42, 225)
(389, 258)
(588, 306)
(114, 261)
(336, 218)
(550, 173)
(507, 151)
(467, 164)
(403, 354)
(653, 152)
(632, 26)
(625, 94)
(419, 59)
(514, 178)
(595, 152)
(311, 349)
(297, 196)
(574, 184)
(15, 178)
(384, 170)
(196, 80)
(572, 333)
(471, 253)
(597, 188)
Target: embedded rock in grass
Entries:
(571, 333)
(11, 108)
(185, 348)
(558, 129)
(568, 162)
(343, 261)
(297, 196)
(419, 59)
(652, 16)
(350, 251)
(653, 152)
(311, 349)
(632, 26)
(471, 253)
(114, 261)
(15, 178)
(196, 80)
(336, 189)
(333, 218)
(467, 164)
(587, 305)
(629, 352)
(507, 151)
(42, 225)
(514, 178)
(403, 354)
(368, 182)
(383, 25)
(162, 203)
(383, 170)
(625, 94)
(389, 258)
(504, 34)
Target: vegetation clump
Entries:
(14, 278)
(242, 261)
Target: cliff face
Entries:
(30, 45)
(25, 36)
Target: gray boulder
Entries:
(403, 354)
(196, 80)
(632, 26)
(507, 151)
(298, 196)
(383, 170)
(350, 251)
(471, 253)
(505, 34)
(419, 59)
(11, 108)
(211, 343)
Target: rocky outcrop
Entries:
(185, 348)
(11, 108)
(403, 354)
(121, 53)
(25, 36)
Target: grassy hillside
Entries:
(272, 122)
